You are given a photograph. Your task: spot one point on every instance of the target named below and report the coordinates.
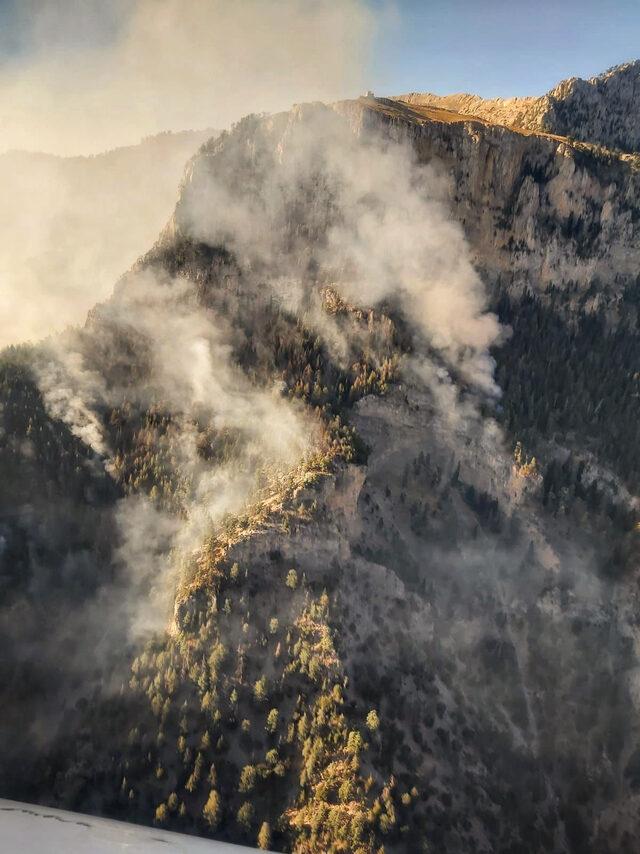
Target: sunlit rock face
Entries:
(602, 110)
(538, 210)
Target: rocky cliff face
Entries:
(538, 211)
(601, 110)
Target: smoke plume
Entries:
(94, 75)
(357, 210)
(85, 77)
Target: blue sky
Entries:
(490, 47)
(80, 76)
(496, 47)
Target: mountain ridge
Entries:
(600, 110)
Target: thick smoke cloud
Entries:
(187, 370)
(301, 200)
(71, 226)
(358, 210)
(84, 77)
(94, 75)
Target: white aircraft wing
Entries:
(31, 829)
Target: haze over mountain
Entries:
(70, 226)
(322, 534)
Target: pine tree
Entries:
(211, 810)
(264, 836)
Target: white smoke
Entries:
(190, 373)
(72, 392)
(71, 225)
(301, 200)
(97, 74)
(104, 73)
(359, 205)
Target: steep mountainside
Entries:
(539, 212)
(602, 110)
(348, 531)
